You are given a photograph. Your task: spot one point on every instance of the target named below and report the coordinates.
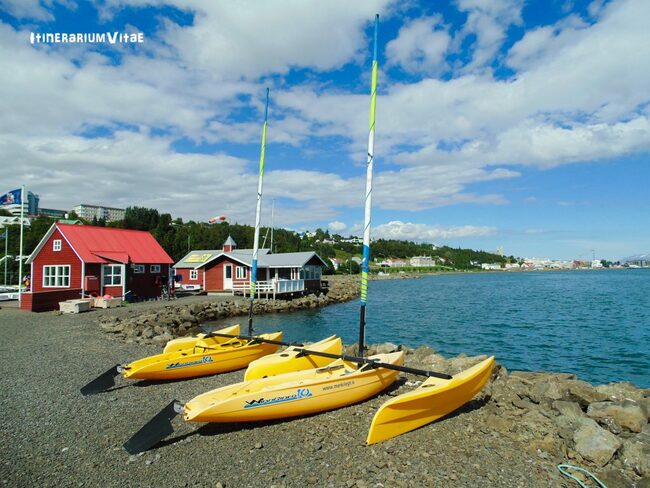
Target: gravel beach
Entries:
(53, 436)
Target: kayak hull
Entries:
(208, 356)
(294, 394)
(184, 343)
(433, 399)
(290, 360)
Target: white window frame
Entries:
(56, 276)
(154, 268)
(112, 274)
(56, 245)
(194, 274)
(138, 268)
(241, 272)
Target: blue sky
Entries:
(522, 124)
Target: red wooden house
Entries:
(228, 270)
(73, 261)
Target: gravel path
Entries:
(52, 436)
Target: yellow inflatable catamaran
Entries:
(202, 355)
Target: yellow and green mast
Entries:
(365, 264)
(258, 212)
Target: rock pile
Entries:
(602, 428)
(159, 326)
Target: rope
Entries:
(564, 467)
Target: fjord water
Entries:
(593, 323)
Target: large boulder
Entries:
(594, 443)
(636, 455)
(627, 413)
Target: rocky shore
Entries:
(157, 325)
(513, 434)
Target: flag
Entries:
(10, 198)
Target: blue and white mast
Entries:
(258, 212)
(365, 264)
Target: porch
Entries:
(270, 288)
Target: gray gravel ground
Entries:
(53, 436)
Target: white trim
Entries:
(196, 274)
(83, 279)
(123, 280)
(56, 275)
(122, 274)
(54, 245)
(245, 272)
(204, 279)
(139, 268)
(45, 238)
(151, 268)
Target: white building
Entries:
(422, 261)
(90, 212)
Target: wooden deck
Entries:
(270, 288)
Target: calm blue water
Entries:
(592, 323)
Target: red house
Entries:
(73, 261)
(228, 270)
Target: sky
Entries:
(521, 124)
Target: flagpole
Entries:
(20, 257)
(365, 264)
(258, 211)
(6, 251)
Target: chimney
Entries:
(229, 245)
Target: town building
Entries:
(229, 270)
(74, 261)
(392, 263)
(90, 212)
(422, 261)
(53, 213)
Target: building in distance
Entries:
(90, 212)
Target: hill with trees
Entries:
(178, 238)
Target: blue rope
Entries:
(564, 467)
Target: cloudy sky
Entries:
(522, 124)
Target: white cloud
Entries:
(420, 46)
(237, 40)
(423, 232)
(28, 9)
(337, 226)
(488, 20)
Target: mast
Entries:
(365, 264)
(258, 211)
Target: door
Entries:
(227, 276)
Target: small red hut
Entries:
(72, 261)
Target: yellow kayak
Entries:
(433, 399)
(208, 355)
(184, 343)
(291, 359)
(305, 392)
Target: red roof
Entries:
(106, 244)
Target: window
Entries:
(311, 272)
(56, 276)
(242, 272)
(138, 268)
(56, 245)
(112, 275)
(194, 274)
(228, 271)
(154, 268)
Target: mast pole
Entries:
(258, 211)
(365, 263)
